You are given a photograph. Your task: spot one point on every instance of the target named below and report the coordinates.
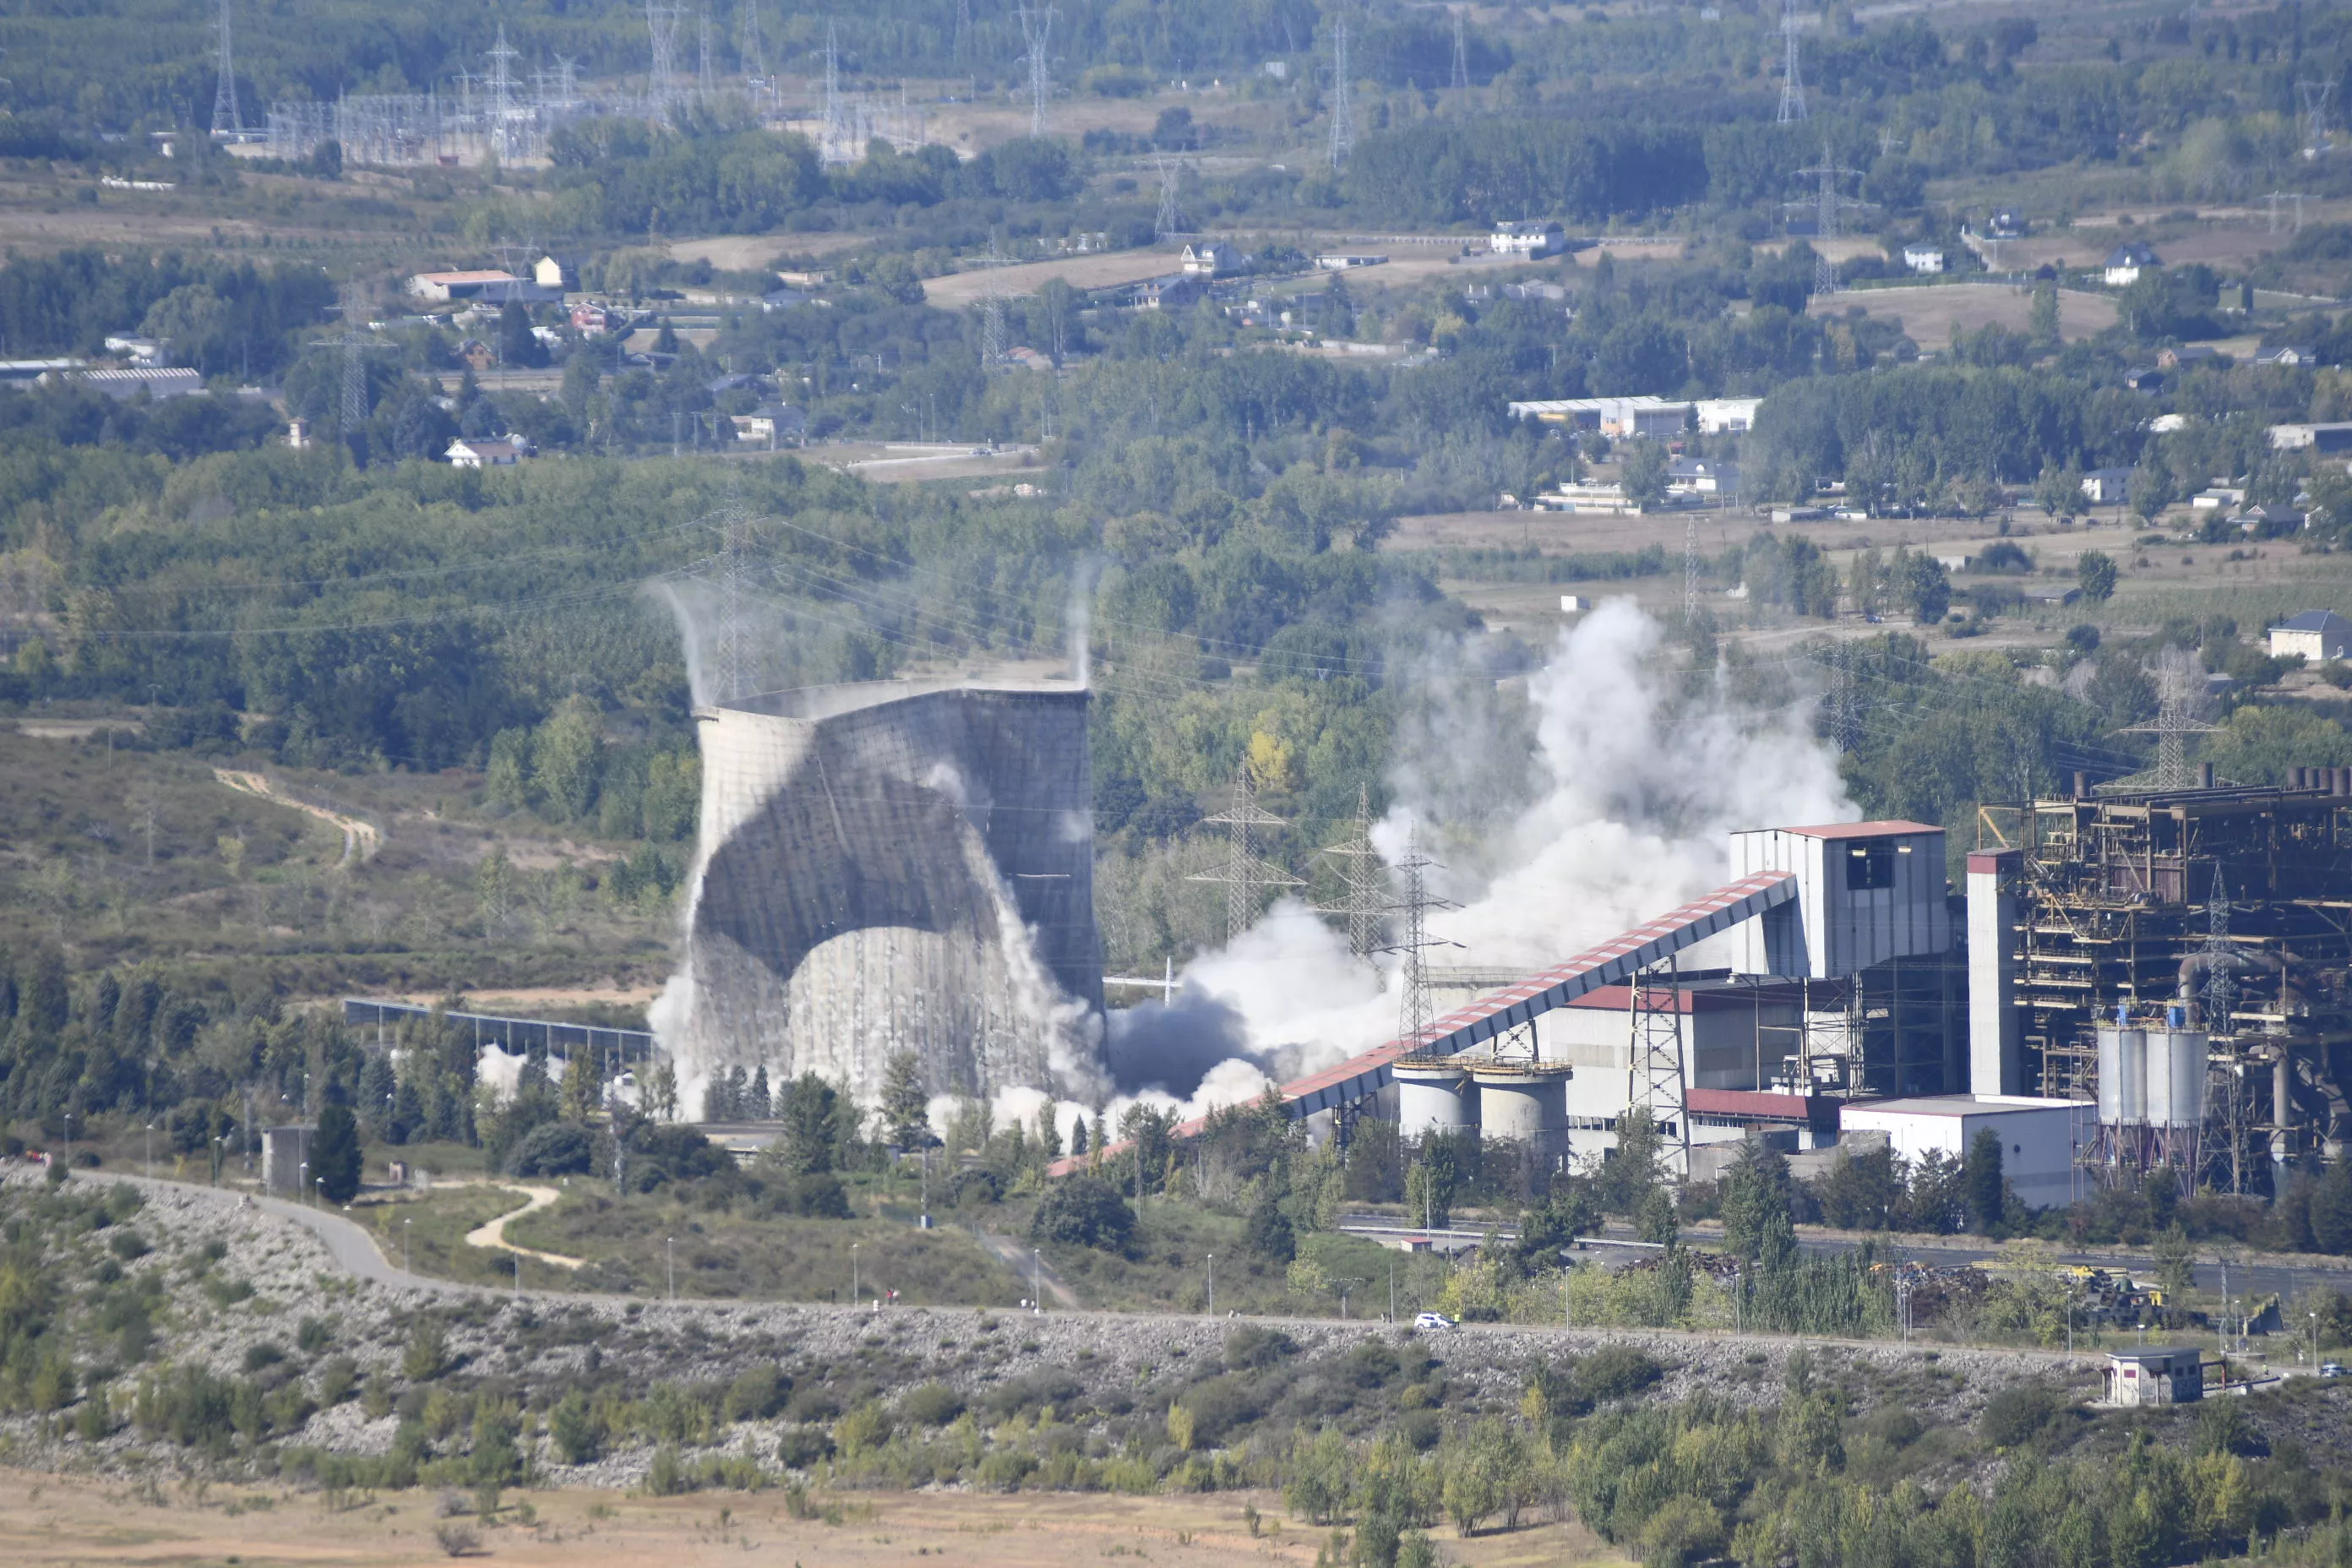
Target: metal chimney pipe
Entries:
(2204, 775)
(2081, 784)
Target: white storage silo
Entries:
(2175, 1077)
(1433, 1097)
(2123, 1076)
(1524, 1102)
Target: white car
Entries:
(2332, 1369)
(1433, 1321)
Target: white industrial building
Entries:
(2039, 1138)
(1660, 418)
(2316, 635)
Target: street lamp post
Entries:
(303, 1181)
(151, 1151)
(1213, 1284)
(670, 1243)
(69, 1139)
(1037, 1280)
(404, 1267)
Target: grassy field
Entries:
(737, 1257)
(1930, 312)
(1167, 1267)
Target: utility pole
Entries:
(1036, 28)
(1245, 873)
(1360, 869)
(1690, 574)
(1343, 114)
(228, 120)
(1793, 81)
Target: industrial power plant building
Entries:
(2130, 979)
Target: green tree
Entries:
(1084, 1211)
(811, 1117)
(2176, 1263)
(1623, 1183)
(2095, 570)
(1643, 467)
(494, 886)
(2151, 491)
(2331, 1209)
(578, 1430)
(1267, 1232)
(1983, 1181)
(1759, 1223)
(2059, 491)
(906, 1108)
(2042, 317)
(566, 757)
(335, 1154)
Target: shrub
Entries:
(1084, 1211)
(578, 1432)
(426, 1355)
(457, 1540)
(803, 1447)
(1253, 1346)
(2019, 1415)
(337, 1378)
(313, 1336)
(1616, 1372)
(932, 1405)
(264, 1354)
(126, 1244)
(553, 1149)
(757, 1393)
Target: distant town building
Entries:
(772, 423)
(477, 354)
(154, 383)
(1703, 476)
(2287, 354)
(2188, 354)
(486, 452)
(1658, 417)
(445, 287)
(1530, 237)
(2336, 436)
(1170, 294)
(2125, 263)
(137, 350)
(2107, 487)
(549, 273)
(1603, 501)
(2316, 635)
(1335, 262)
(1211, 259)
(2006, 223)
(1925, 258)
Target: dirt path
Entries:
(1028, 1266)
(494, 1234)
(361, 838)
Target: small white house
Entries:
(1703, 476)
(2125, 264)
(1530, 237)
(2038, 1137)
(1924, 258)
(2318, 635)
(2107, 487)
(502, 452)
(1332, 261)
(1209, 259)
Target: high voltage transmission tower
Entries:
(502, 57)
(1690, 573)
(1793, 81)
(1416, 1013)
(1461, 82)
(1365, 901)
(753, 48)
(2314, 95)
(1245, 874)
(1037, 28)
(2177, 685)
(228, 120)
(996, 345)
(1166, 228)
(661, 28)
(830, 139)
(1343, 112)
(705, 76)
(1828, 205)
(731, 652)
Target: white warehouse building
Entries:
(2039, 1138)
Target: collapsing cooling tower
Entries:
(895, 866)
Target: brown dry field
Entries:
(1930, 312)
(68, 1522)
(1099, 270)
(753, 252)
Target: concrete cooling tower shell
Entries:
(894, 867)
